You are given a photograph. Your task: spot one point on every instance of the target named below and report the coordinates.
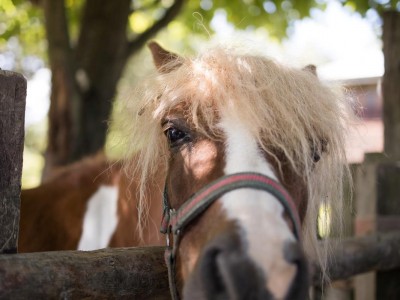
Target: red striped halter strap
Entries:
(174, 221)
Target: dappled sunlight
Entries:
(139, 22)
(31, 169)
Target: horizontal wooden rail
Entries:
(137, 273)
(140, 273)
(353, 256)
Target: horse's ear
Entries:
(164, 60)
(311, 69)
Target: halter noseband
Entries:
(174, 221)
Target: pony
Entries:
(233, 154)
(249, 150)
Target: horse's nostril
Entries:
(226, 274)
(241, 278)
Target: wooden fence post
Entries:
(388, 173)
(388, 219)
(365, 220)
(12, 116)
(378, 198)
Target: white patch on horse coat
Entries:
(257, 212)
(100, 219)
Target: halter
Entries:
(174, 221)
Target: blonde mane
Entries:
(289, 110)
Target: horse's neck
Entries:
(52, 214)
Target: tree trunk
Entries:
(101, 55)
(84, 82)
(64, 94)
(84, 78)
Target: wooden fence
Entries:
(138, 273)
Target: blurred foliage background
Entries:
(24, 46)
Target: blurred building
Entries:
(366, 135)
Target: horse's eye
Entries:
(316, 157)
(175, 135)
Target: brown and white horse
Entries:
(86, 206)
(233, 154)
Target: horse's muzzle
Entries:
(225, 271)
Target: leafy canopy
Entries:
(21, 22)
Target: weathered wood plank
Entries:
(378, 252)
(140, 273)
(12, 117)
(125, 273)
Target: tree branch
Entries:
(169, 15)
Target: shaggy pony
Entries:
(290, 112)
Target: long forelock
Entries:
(288, 110)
